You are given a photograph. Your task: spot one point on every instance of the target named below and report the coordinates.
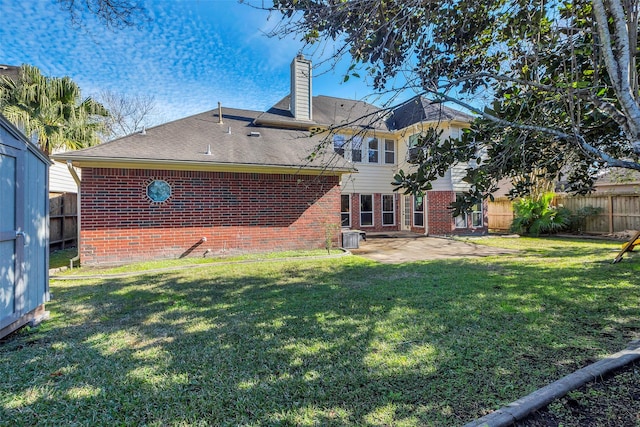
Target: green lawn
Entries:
(60, 258)
(343, 342)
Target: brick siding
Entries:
(440, 221)
(234, 212)
(439, 217)
(377, 226)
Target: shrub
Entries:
(579, 218)
(536, 215)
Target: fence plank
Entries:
(63, 220)
(618, 213)
(500, 214)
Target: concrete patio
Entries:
(396, 248)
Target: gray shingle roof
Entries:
(328, 112)
(10, 71)
(615, 176)
(419, 109)
(246, 139)
(236, 141)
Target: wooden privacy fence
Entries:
(617, 213)
(63, 220)
(500, 214)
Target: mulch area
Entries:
(612, 401)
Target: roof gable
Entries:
(420, 109)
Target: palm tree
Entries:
(51, 109)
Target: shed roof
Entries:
(201, 142)
(20, 140)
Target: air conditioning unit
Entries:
(350, 239)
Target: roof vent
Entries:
(143, 131)
(256, 134)
(208, 153)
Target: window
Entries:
(460, 220)
(418, 210)
(388, 209)
(158, 190)
(366, 210)
(370, 150)
(476, 215)
(345, 210)
(413, 140)
(415, 153)
(389, 152)
(339, 143)
(373, 150)
(356, 149)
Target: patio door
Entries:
(12, 237)
(405, 213)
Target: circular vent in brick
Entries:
(158, 191)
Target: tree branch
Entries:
(593, 151)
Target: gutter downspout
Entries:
(76, 178)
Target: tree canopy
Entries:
(112, 13)
(51, 109)
(562, 78)
(127, 113)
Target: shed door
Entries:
(11, 236)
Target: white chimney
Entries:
(301, 88)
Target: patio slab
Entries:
(396, 248)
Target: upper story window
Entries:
(371, 150)
(339, 143)
(356, 149)
(389, 152)
(413, 140)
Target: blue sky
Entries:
(191, 55)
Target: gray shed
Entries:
(24, 230)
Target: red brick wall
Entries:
(438, 215)
(235, 212)
(439, 219)
(377, 226)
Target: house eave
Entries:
(124, 163)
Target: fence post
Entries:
(610, 214)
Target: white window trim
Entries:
(386, 212)
(354, 140)
(349, 212)
(478, 212)
(414, 211)
(373, 210)
(460, 221)
(393, 144)
(369, 150)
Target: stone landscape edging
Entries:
(521, 408)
